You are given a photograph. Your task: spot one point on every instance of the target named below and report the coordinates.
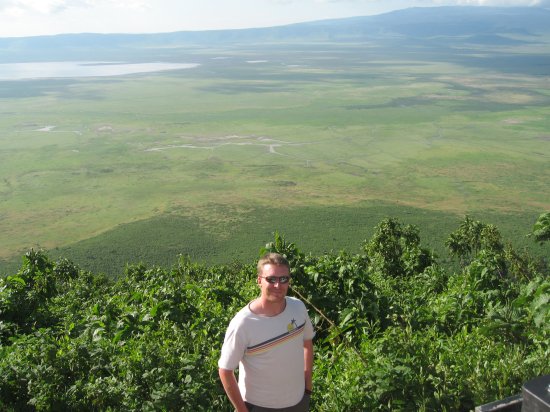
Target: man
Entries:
(270, 340)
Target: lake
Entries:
(43, 70)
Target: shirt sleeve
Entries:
(233, 347)
(309, 332)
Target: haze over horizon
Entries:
(22, 18)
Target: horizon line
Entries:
(91, 33)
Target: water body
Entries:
(45, 70)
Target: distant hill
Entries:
(486, 25)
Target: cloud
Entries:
(18, 7)
(35, 6)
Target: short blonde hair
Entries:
(272, 259)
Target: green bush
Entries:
(394, 331)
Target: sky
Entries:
(19, 18)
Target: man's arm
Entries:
(308, 363)
(231, 387)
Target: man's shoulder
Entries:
(294, 302)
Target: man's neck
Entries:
(266, 308)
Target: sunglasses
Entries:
(275, 279)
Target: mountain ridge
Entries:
(411, 22)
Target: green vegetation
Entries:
(541, 230)
(394, 330)
(234, 236)
(288, 127)
(222, 234)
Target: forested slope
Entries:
(394, 330)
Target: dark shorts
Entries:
(302, 406)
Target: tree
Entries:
(396, 251)
(471, 237)
(541, 229)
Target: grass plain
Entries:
(318, 141)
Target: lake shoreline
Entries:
(70, 69)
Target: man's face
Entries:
(273, 292)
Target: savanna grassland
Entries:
(319, 141)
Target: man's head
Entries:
(272, 259)
(273, 277)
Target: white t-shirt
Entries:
(269, 351)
